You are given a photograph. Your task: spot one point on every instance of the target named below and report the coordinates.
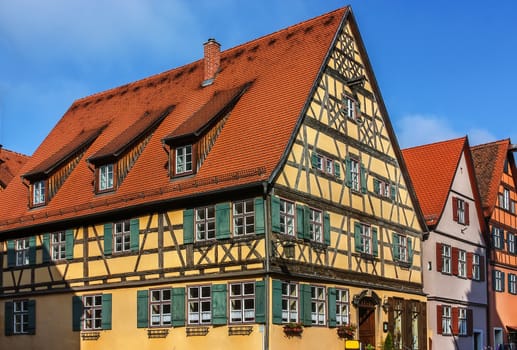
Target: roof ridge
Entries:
(436, 143)
(491, 143)
(16, 153)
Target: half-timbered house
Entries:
(454, 256)
(497, 179)
(256, 198)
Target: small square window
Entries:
(106, 182)
(38, 193)
(183, 160)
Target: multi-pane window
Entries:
(243, 217)
(382, 188)
(92, 317)
(122, 236)
(446, 320)
(498, 237)
(160, 308)
(289, 302)
(505, 199)
(402, 248)
(342, 307)
(22, 252)
(183, 159)
(512, 283)
(318, 302)
(242, 302)
(316, 225)
(498, 281)
(476, 267)
(366, 239)
(511, 243)
(21, 316)
(461, 211)
(287, 217)
(349, 107)
(355, 173)
(200, 305)
(205, 223)
(105, 177)
(462, 263)
(58, 245)
(462, 321)
(329, 166)
(38, 193)
(446, 258)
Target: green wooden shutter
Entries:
(300, 222)
(348, 172)
(11, 256)
(9, 318)
(260, 302)
(363, 179)
(393, 192)
(376, 186)
(337, 169)
(31, 310)
(77, 313)
(306, 222)
(314, 160)
(219, 304)
(32, 250)
(410, 250)
(502, 282)
(326, 228)
(331, 300)
(275, 214)
(357, 237)
(108, 238)
(222, 220)
(178, 307)
(142, 308)
(188, 226)
(134, 229)
(69, 244)
(396, 244)
(277, 301)
(106, 311)
(494, 284)
(46, 248)
(306, 304)
(375, 242)
(260, 227)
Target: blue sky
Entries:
(445, 68)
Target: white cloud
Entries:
(418, 129)
(479, 136)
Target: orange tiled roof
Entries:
(432, 168)
(283, 67)
(10, 164)
(489, 166)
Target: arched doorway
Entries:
(366, 304)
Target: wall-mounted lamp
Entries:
(385, 305)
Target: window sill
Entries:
(90, 335)
(157, 333)
(240, 330)
(367, 256)
(197, 331)
(404, 264)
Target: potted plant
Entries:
(293, 328)
(346, 330)
(388, 343)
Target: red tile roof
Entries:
(10, 164)
(283, 67)
(432, 168)
(489, 161)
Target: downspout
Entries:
(267, 279)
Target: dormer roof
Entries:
(10, 164)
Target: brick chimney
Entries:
(212, 60)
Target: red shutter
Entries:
(455, 208)
(481, 268)
(455, 253)
(470, 264)
(439, 314)
(439, 257)
(467, 214)
(470, 322)
(455, 320)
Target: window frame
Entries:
(511, 242)
(446, 320)
(39, 193)
(460, 211)
(187, 152)
(20, 316)
(403, 250)
(446, 256)
(162, 303)
(505, 199)
(462, 263)
(207, 221)
(342, 306)
(95, 308)
(200, 301)
(246, 215)
(498, 281)
(476, 267)
(289, 300)
(242, 299)
(124, 235)
(366, 237)
(498, 237)
(22, 252)
(318, 303)
(512, 283)
(287, 217)
(355, 174)
(316, 233)
(58, 247)
(349, 107)
(462, 321)
(106, 177)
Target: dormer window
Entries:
(38, 193)
(183, 160)
(106, 182)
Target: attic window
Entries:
(350, 108)
(183, 160)
(105, 177)
(38, 193)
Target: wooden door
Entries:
(367, 325)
